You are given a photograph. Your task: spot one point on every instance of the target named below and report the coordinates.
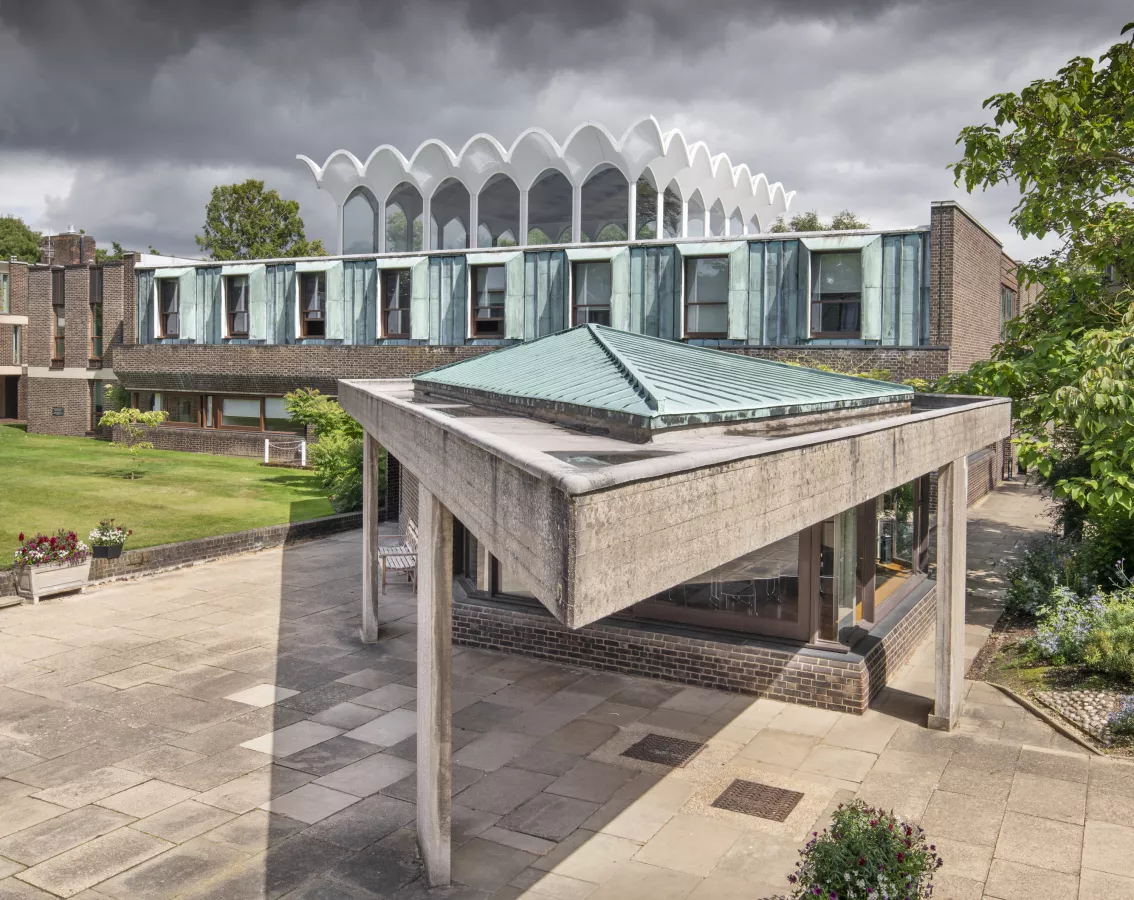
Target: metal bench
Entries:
(401, 557)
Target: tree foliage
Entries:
(115, 252)
(337, 455)
(1068, 361)
(133, 423)
(17, 240)
(845, 220)
(243, 221)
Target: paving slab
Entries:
(183, 821)
(88, 864)
(49, 838)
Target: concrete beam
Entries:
(434, 685)
(371, 571)
(952, 503)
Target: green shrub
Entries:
(1065, 624)
(866, 853)
(336, 456)
(1109, 649)
(1121, 723)
(1046, 564)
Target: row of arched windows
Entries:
(604, 214)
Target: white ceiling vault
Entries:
(665, 156)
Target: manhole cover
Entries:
(755, 799)
(665, 751)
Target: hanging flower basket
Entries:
(52, 565)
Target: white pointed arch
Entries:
(668, 156)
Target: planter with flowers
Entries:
(52, 564)
(107, 539)
(865, 854)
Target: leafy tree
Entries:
(1068, 361)
(396, 231)
(337, 455)
(243, 221)
(17, 240)
(810, 221)
(116, 252)
(133, 423)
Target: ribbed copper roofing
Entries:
(650, 382)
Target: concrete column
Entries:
(342, 228)
(522, 237)
(371, 571)
(434, 685)
(684, 218)
(474, 216)
(661, 214)
(576, 216)
(381, 233)
(632, 211)
(952, 507)
(426, 225)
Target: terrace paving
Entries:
(220, 732)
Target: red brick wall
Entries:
(78, 306)
(72, 394)
(18, 288)
(39, 334)
(68, 249)
(966, 265)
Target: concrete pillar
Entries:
(434, 685)
(427, 241)
(952, 507)
(342, 227)
(371, 571)
(474, 216)
(380, 233)
(576, 216)
(661, 214)
(522, 237)
(632, 211)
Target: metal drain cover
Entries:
(755, 799)
(663, 750)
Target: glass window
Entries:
(592, 293)
(606, 205)
(396, 303)
(60, 346)
(509, 582)
(96, 285)
(717, 220)
(169, 308)
(757, 592)
(499, 212)
(96, 330)
(894, 542)
(696, 217)
(706, 297)
(1007, 308)
(182, 408)
(449, 216)
(17, 345)
(5, 307)
(98, 392)
(646, 209)
(240, 412)
(313, 294)
(838, 575)
(836, 294)
(549, 209)
(405, 230)
(360, 223)
(671, 212)
(236, 303)
(277, 418)
(488, 301)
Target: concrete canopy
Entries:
(593, 524)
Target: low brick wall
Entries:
(840, 681)
(170, 556)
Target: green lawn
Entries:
(53, 482)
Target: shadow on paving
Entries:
(221, 732)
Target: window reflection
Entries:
(838, 581)
(498, 210)
(404, 227)
(894, 541)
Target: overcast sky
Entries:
(119, 116)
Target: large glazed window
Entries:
(549, 209)
(405, 230)
(592, 286)
(498, 209)
(836, 295)
(696, 223)
(717, 220)
(489, 283)
(396, 303)
(96, 331)
(313, 304)
(4, 301)
(671, 212)
(759, 592)
(606, 205)
(706, 297)
(645, 208)
(360, 223)
(449, 216)
(838, 581)
(1007, 307)
(276, 417)
(894, 541)
(169, 308)
(236, 305)
(240, 413)
(182, 409)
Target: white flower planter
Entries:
(43, 581)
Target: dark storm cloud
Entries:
(145, 105)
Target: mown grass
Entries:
(49, 482)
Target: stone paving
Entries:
(220, 732)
